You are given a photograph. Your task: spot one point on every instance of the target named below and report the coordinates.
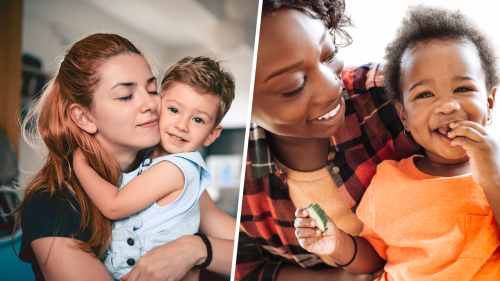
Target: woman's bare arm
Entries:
(220, 229)
(61, 258)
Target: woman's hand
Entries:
(171, 261)
(482, 148)
(311, 238)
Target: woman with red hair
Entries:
(104, 101)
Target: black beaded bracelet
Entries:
(209, 250)
(353, 257)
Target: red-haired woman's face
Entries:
(125, 105)
(297, 88)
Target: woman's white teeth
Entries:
(331, 113)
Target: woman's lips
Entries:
(333, 116)
(149, 124)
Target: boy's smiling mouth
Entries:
(177, 139)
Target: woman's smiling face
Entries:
(297, 90)
(442, 82)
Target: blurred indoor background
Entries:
(165, 30)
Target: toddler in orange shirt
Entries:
(430, 217)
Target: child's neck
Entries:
(436, 165)
(159, 151)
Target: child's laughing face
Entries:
(187, 119)
(442, 81)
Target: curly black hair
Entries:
(331, 12)
(424, 23)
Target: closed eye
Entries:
(332, 56)
(125, 98)
(297, 91)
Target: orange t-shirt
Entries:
(429, 227)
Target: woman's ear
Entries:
(214, 134)
(400, 109)
(82, 118)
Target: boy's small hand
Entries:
(311, 238)
(482, 148)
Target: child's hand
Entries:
(311, 238)
(482, 149)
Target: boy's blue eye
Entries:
(173, 110)
(198, 120)
(424, 95)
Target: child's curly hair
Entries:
(423, 23)
(331, 12)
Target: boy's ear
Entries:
(214, 134)
(400, 109)
(82, 118)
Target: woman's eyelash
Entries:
(330, 57)
(154, 93)
(297, 91)
(125, 98)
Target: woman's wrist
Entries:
(343, 253)
(200, 253)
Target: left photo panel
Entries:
(122, 135)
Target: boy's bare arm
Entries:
(138, 194)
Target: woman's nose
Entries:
(149, 103)
(328, 86)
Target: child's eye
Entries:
(297, 91)
(173, 110)
(125, 98)
(198, 120)
(424, 95)
(463, 89)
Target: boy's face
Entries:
(187, 119)
(442, 82)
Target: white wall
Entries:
(376, 23)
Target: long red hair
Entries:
(50, 119)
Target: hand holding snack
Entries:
(316, 232)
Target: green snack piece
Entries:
(317, 214)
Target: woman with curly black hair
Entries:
(317, 135)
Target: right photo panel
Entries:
(373, 147)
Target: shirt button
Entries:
(335, 170)
(130, 262)
(130, 241)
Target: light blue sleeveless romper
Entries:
(137, 234)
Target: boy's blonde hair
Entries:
(205, 75)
